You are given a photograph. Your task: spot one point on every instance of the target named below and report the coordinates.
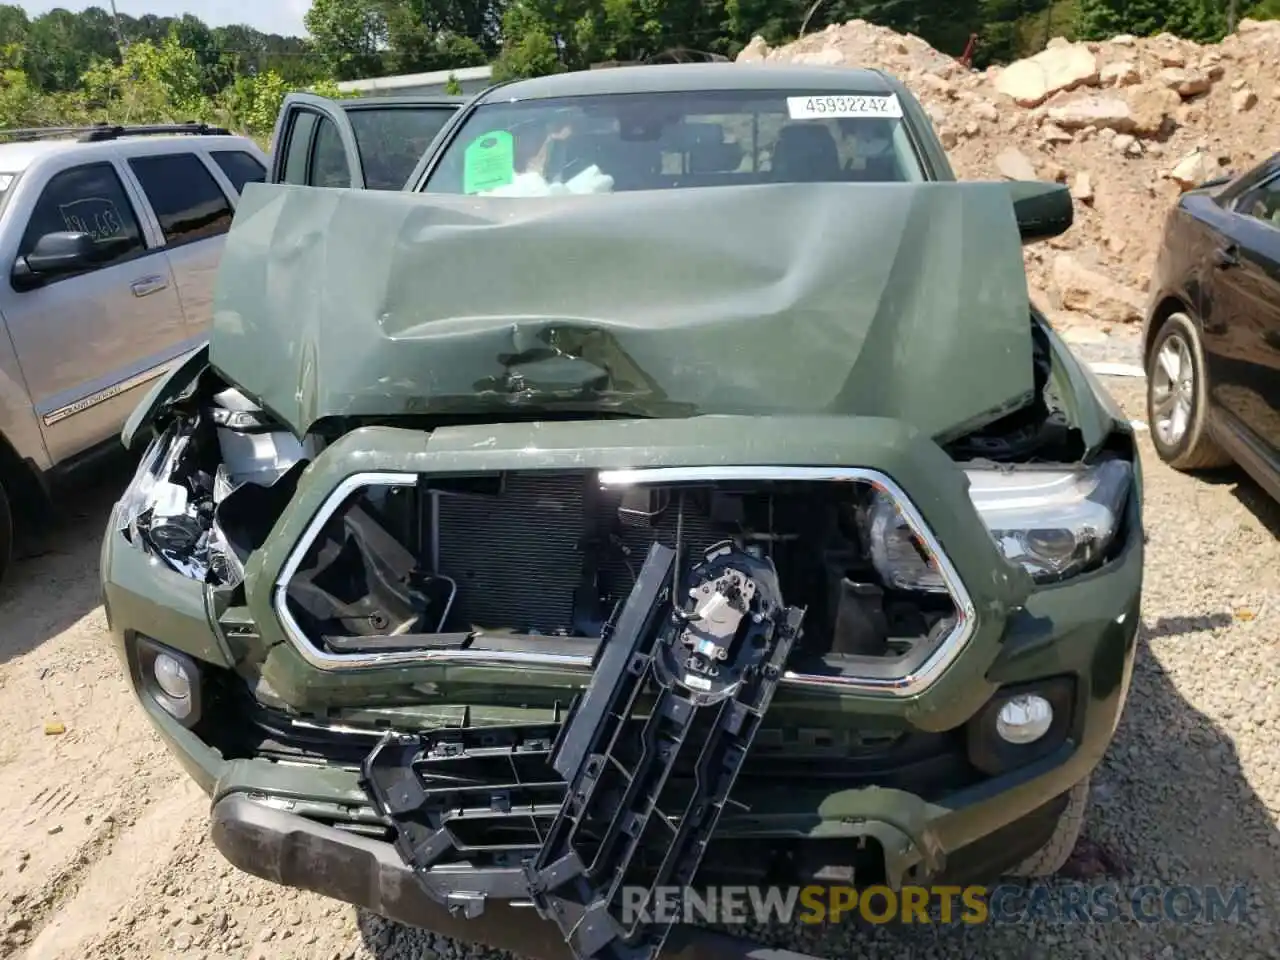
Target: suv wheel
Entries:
(1054, 855)
(6, 532)
(1177, 398)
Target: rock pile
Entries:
(1128, 123)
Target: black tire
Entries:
(6, 532)
(1194, 449)
(1054, 855)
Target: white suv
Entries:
(111, 237)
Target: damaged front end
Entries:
(562, 645)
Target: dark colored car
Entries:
(1212, 333)
(723, 494)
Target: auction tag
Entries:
(489, 162)
(859, 105)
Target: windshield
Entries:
(391, 140)
(657, 141)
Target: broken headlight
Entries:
(166, 513)
(1055, 523)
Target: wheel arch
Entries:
(1168, 305)
(23, 481)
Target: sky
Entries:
(269, 16)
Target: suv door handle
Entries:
(1226, 257)
(145, 286)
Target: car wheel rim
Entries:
(1172, 390)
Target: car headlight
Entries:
(1056, 523)
(163, 518)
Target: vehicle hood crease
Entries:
(906, 301)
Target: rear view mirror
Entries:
(56, 254)
(1043, 210)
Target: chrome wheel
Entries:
(1172, 390)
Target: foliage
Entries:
(64, 67)
(531, 50)
(348, 35)
(1263, 10)
(1202, 20)
(154, 82)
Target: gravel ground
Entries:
(103, 851)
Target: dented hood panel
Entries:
(906, 301)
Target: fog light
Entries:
(169, 678)
(172, 677)
(1024, 719)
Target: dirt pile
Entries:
(1128, 123)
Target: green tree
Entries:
(154, 83)
(60, 45)
(349, 36)
(252, 103)
(429, 24)
(529, 49)
(1202, 20)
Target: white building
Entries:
(471, 79)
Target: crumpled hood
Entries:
(906, 301)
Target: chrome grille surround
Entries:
(910, 684)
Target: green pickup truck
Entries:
(671, 485)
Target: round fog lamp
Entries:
(171, 677)
(1024, 719)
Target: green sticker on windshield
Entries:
(488, 162)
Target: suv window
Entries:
(87, 199)
(299, 143)
(328, 159)
(240, 167)
(1262, 203)
(187, 200)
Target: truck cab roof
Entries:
(693, 77)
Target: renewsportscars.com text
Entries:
(1012, 903)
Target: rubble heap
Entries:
(1128, 124)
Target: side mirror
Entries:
(56, 254)
(1043, 210)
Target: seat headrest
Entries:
(806, 152)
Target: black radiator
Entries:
(518, 557)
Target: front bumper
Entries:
(295, 852)
(276, 820)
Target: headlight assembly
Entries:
(163, 515)
(1056, 523)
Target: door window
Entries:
(240, 167)
(392, 139)
(1262, 203)
(299, 147)
(328, 159)
(87, 199)
(187, 200)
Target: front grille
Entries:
(552, 554)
